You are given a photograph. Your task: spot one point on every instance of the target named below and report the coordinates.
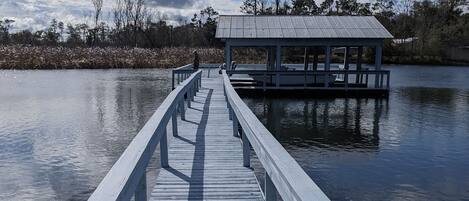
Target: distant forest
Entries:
(424, 30)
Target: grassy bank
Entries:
(28, 57)
(23, 57)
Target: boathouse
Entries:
(321, 34)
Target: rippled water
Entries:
(61, 131)
(412, 146)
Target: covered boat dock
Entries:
(319, 36)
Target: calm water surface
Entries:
(61, 131)
(412, 146)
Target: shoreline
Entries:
(63, 58)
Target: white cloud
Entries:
(37, 14)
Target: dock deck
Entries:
(205, 153)
(206, 160)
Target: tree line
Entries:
(426, 28)
(134, 24)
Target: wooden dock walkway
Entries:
(206, 160)
(205, 153)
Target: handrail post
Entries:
(235, 126)
(277, 82)
(164, 149)
(179, 77)
(175, 123)
(246, 150)
(381, 80)
(193, 91)
(326, 79)
(270, 190)
(387, 80)
(141, 191)
(188, 98)
(182, 109)
(230, 111)
(172, 80)
(264, 82)
(346, 79)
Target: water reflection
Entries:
(411, 146)
(61, 131)
(334, 123)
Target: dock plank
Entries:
(206, 161)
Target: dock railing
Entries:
(127, 177)
(180, 74)
(282, 173)
(359, 78)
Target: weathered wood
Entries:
(286, 174)
(206, 160)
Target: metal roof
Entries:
(249, 26)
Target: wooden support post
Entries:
(246, 151)
(306, 67)
(141, 191)
(327, 66)
(272, 58)
(346, 66)
(306, 59)
(378, 52)
(278, 64)
(315, 59)
(164, 149)
(172, 79)
(347, 58)
(175, 123)
(388, 81)
(193, 93)
(264, 82)
(228, 56)
(230, 112)
(268, 62)
(359, 78)
(270, 190)
(235, 125)
(188, 98)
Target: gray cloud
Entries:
(172, 3)
(37, 14)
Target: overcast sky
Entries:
(36, 14)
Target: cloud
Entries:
(37, 14)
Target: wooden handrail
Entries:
(127, 176)
(302, 72)
(283, 173)
(379, 75)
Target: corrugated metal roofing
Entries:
(248, 26)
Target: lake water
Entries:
(61, 131)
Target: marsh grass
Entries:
(26, 57)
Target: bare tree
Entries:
(98, 5)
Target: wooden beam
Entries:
(347, 58)
(378, 52)
(278, 64)
(306, 59)
(327, 62)
(228, 56)
(315, 59)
